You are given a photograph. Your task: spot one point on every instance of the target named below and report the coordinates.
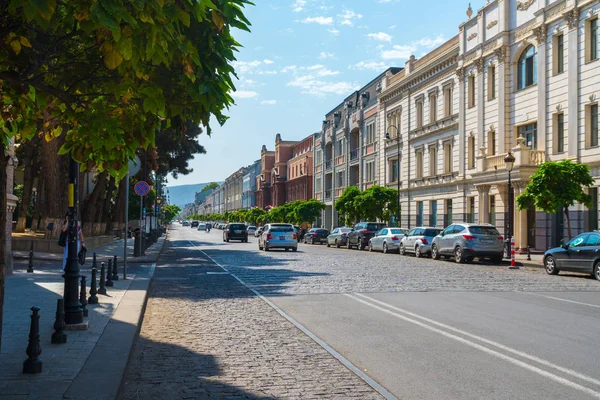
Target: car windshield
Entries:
(281, 228)
(237, 226)
(345, 230)
(483, 230)
(375, 227)
(432, 232)
(396, 231)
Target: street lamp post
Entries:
(509, 160)
(389, 138)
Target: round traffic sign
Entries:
(141, 188)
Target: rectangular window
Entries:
(419, 110)
(448, 216)
(491, 145)
(394, 170)
(419, 159)
(433, 160)
(447, 157)
(593, 29)
(491, 81)
(493, 210)
(591, 126)
(339, 179)
(559, 133)
(559, 54)
(370, 137)
(432, 108)
(529, 133)
(471, 216)
(471, 87)
(447, 101)
(419, 213)
(433, 213)
(370, 171)
(471, 152)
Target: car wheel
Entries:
(597, 270)
(402, 250)
(550, 266)
(360, 246)
(328, 245)
(370, 246)
(459, 257)
(348, 245)
(385, 249)
(434, 252)
(227, 240)
(337, 244)
(496, 259)
(294, 249)
(418, 251)
(287, 249)
(266, 248)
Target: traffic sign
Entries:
(141, 188)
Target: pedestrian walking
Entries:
(80, 239)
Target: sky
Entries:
(303, 57)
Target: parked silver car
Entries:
(418, 240)
(281, 236)
(259, 231)
(338, 237)
(251, 230)
(386, 240)
(466, 241)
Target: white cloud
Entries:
(269, 102)
(348, 17)
(430, 43)
(326, 55)
(244, 94)
(382, 36)
(313, 67)
(288, 68)
(392, 26)
(245, 66)
(398, 52)
(298, 5)
(318, 20)
(268, 62)
(268, 72)
(309, 84)
(369, 65)
(327, 72)
(333, 31)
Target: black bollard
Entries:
(33, 365)
(115, 272)
(109, 282)
(93, 299)
(94, 261)
(59, 336)
(30, 266)
(82, 298)
(528, 253)
(102, 289)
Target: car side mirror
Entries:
(563, 244)
(442, 233)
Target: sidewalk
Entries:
(108, 250)
(537, 261)
(72, 370)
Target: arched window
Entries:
(527, 68)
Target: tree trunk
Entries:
(30, 172)
(3, 212)
(118, 212)
(104, 217)
(91, 205)
(56, 169)
(39, 206)
(568, 222)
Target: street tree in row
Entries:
(307, 211)
(171, 211)
(555, 185)
(345, 206)
(376, 203)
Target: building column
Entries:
(503, 81)
(540, 34)
(484, 203)
(572, 18)
(520, 231)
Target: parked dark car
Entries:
(235, 232)
(361, 233)
(338, 237)
(316, 236)
(581, 254)
(195, 224)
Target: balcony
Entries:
(524, 156)
(339, 160)
(354, 155)
(328, 194)
(328, 164)
(338, 192)
(369, 148)
(318, 195)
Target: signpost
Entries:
(133, 167)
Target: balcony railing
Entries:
(354, 154)
(338, 192)
(339, 160)
(328, 194)
(328, 164)
(523, 156)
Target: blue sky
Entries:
(303, 57)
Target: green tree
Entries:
(307, 210)
(212, 185)
(376, 202)
(283, 213)
(346, 207)
(171, 211)
(557, 184)
(255, 215)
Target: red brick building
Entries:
(300, 171)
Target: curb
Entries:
(111, 354)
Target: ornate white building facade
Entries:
(520, 77)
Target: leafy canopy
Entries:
(346, 207)
(108, 74)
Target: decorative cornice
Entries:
(556, 10)
(572, 18)
(492, 24)
(540, 33)
(524, 5)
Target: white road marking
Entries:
(559, 299)
(484, 349)
(357, 371)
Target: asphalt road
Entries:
(427, 329)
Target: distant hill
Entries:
(184, 194)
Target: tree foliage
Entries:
(376, 203)
(212, 185)
(346, 207)
(176, 146)
(307, 211)
(557, 184)
(171, 211)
